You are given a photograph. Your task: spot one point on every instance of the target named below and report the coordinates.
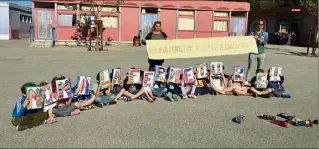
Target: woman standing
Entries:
(155, 34)
(261, 38)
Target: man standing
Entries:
(261, 38)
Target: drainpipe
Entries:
(56, 18)
(229, 24)
(119, 24)
(213, 19)
(246, 23)
(195, 20)
(139, 24)
(158, 14)
(177, 22)
(77, 12)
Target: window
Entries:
(221, 14)
(150, 10)
(221, 26)
(43, 5)
(109, 9)
(67, 7)
(186, 20)
(67, 20)
(110, 22)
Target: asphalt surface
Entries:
(202, 122)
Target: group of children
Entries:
(182, 84)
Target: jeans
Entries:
(189, 90)
(159, 92)
(203, 90)
(104, 99)
(252, 58)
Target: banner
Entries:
(200, 47)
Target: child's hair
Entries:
(259, 71)
(53, 82)
(25, 85)
(43, 83)
(98, 78)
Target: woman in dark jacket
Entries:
(155, 34)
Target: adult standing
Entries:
(261, 38)
(155, 34)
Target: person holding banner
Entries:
(155, 34)
(261, 38)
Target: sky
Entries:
(23, 3)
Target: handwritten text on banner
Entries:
(200, 47)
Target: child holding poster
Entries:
(23, 118)
(218, 81)
(148, 82)
(237, 82)
(276, 88)
(64, 106)
(48, 105)
(173, 83)
(259, 84)
(82, 92)
(159, 88)
(188, 83)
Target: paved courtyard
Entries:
(202, 122)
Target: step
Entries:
(42, 43)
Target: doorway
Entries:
(148, 17)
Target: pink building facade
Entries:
(180, 19)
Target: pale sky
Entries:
(23, 3)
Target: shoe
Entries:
(192, 96)
(100, 105)
(286, 95)
(113, 102)
(184, 97)
(170, 96)
(266, 117)
(21, 127)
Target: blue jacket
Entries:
(19, 110)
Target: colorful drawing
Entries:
(261, 81)
(47, 96)
(63, 88)
(174, 75)
(201, 71)
(134, 76)
(188, 75)
(216, 68)
(275, 73)
(105, 79)
(160, 73)
(238, 73)
(34, 94)
(116, 78)
(149, 78)
(83, 85)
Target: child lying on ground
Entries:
(188, 89)
(147, 90)
(237, 87)
(259, 91)
(202, 86)
(218, 83)
(23, 118)
(103, 96)
(83, 100)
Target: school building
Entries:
(15, 21)
(180, 19)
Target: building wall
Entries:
(19, 22)
(204, 24)
(4, 25)
(59, 32)
(168, 19)
(129, 23)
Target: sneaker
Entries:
(286, 95)
(192, 96)
(21, 127)
(184, 97)
(170, 96)
(100, 105)
(113, 102)
(175, 97)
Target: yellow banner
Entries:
(200, 47)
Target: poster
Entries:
(200, 47)
(216, 68)
(201, 71)
(63, 88)
(116, 78)
(34, 93)
(188, 75)
(84, 84)
(47, 96)
(261, 81)
(105, 79)
(134, 76)
(149, 78)
(238, 73)
(275, 73)
(174, 75)
(160, 73)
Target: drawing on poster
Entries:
(116, 78)
(201, 71)
(148, 78)
(174, 75)
(238, 73)
(261, 81)
(134, 76)
(188, 75)
(216, 68)
(47, 94)
(275, 73)
(34, 94)
(105, 79)
(84, 84)
(63, 88)
(160, 73)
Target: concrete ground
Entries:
(202, 122)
